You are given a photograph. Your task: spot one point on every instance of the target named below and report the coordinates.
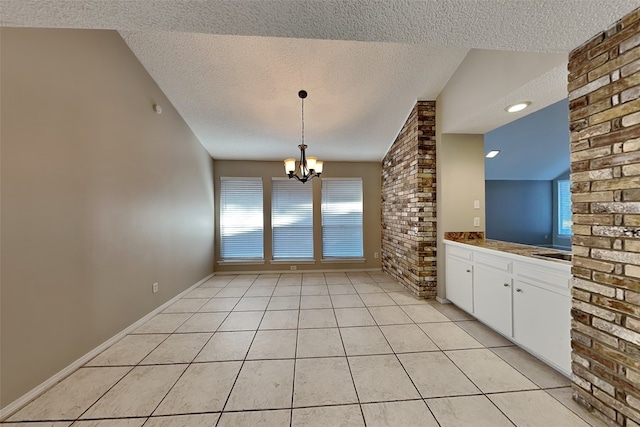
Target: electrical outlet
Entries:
(476, 221)
(154, 287)
(293, 267)
(476, 204)
(375, 254)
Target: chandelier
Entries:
(310, 167)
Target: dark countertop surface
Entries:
(514, 248)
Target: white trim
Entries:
(344, 178)
(343, 260)
(293, 261)
(26, 398)
(241, 262)
(240, 178)
(443, 300)
(350, 270)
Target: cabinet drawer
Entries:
(544, 278)
(498, 263)
(462, 253)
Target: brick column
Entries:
(604, 90)
(408, 203)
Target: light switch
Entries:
(476, 204)
(476, 221)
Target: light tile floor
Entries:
(329, 349)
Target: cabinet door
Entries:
(492, 298)
(459, 283)
(542, 322)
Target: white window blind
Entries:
(292, 219)
(564, 208)
(342, 218)
(241, 218)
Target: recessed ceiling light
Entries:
(492, 154)
(517, 107)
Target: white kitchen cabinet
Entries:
(542, 322)
(460, 283)
(459, 278)
(528, 300)
(492, 298)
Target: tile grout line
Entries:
(214, 332)
(138, 364)
(477, 386)
(400, 362)
(243, 360)
(562, 403)
(189, 364)
(78, 418)
(295, 356)
(344, 348)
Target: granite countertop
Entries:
(508, 247)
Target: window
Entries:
(564, 207)
(292, 219)
(241, 221)
(341, 218)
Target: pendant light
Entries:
(310, 167)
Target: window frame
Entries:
(563, 188)
(260, 209)
(310, 245)
(336, 258)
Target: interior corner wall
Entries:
(604, 105)
(460, 183)
(101, 197)
(409, 203)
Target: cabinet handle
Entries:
(518, 290)
(506, 285)
(468, 271)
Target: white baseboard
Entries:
(350, 270)
(23, 400)
(443, 300)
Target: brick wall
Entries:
(409, 203)
(604, 90)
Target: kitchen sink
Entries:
(564, 257)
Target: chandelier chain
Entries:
(309, 167)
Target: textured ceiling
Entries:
(487, 81)
(233, 68)
(240, 94)
(551, 25)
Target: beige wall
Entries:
(460, 181)
(101, 197)
(370, 174)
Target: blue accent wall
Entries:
(520, 211)
(533, 148)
